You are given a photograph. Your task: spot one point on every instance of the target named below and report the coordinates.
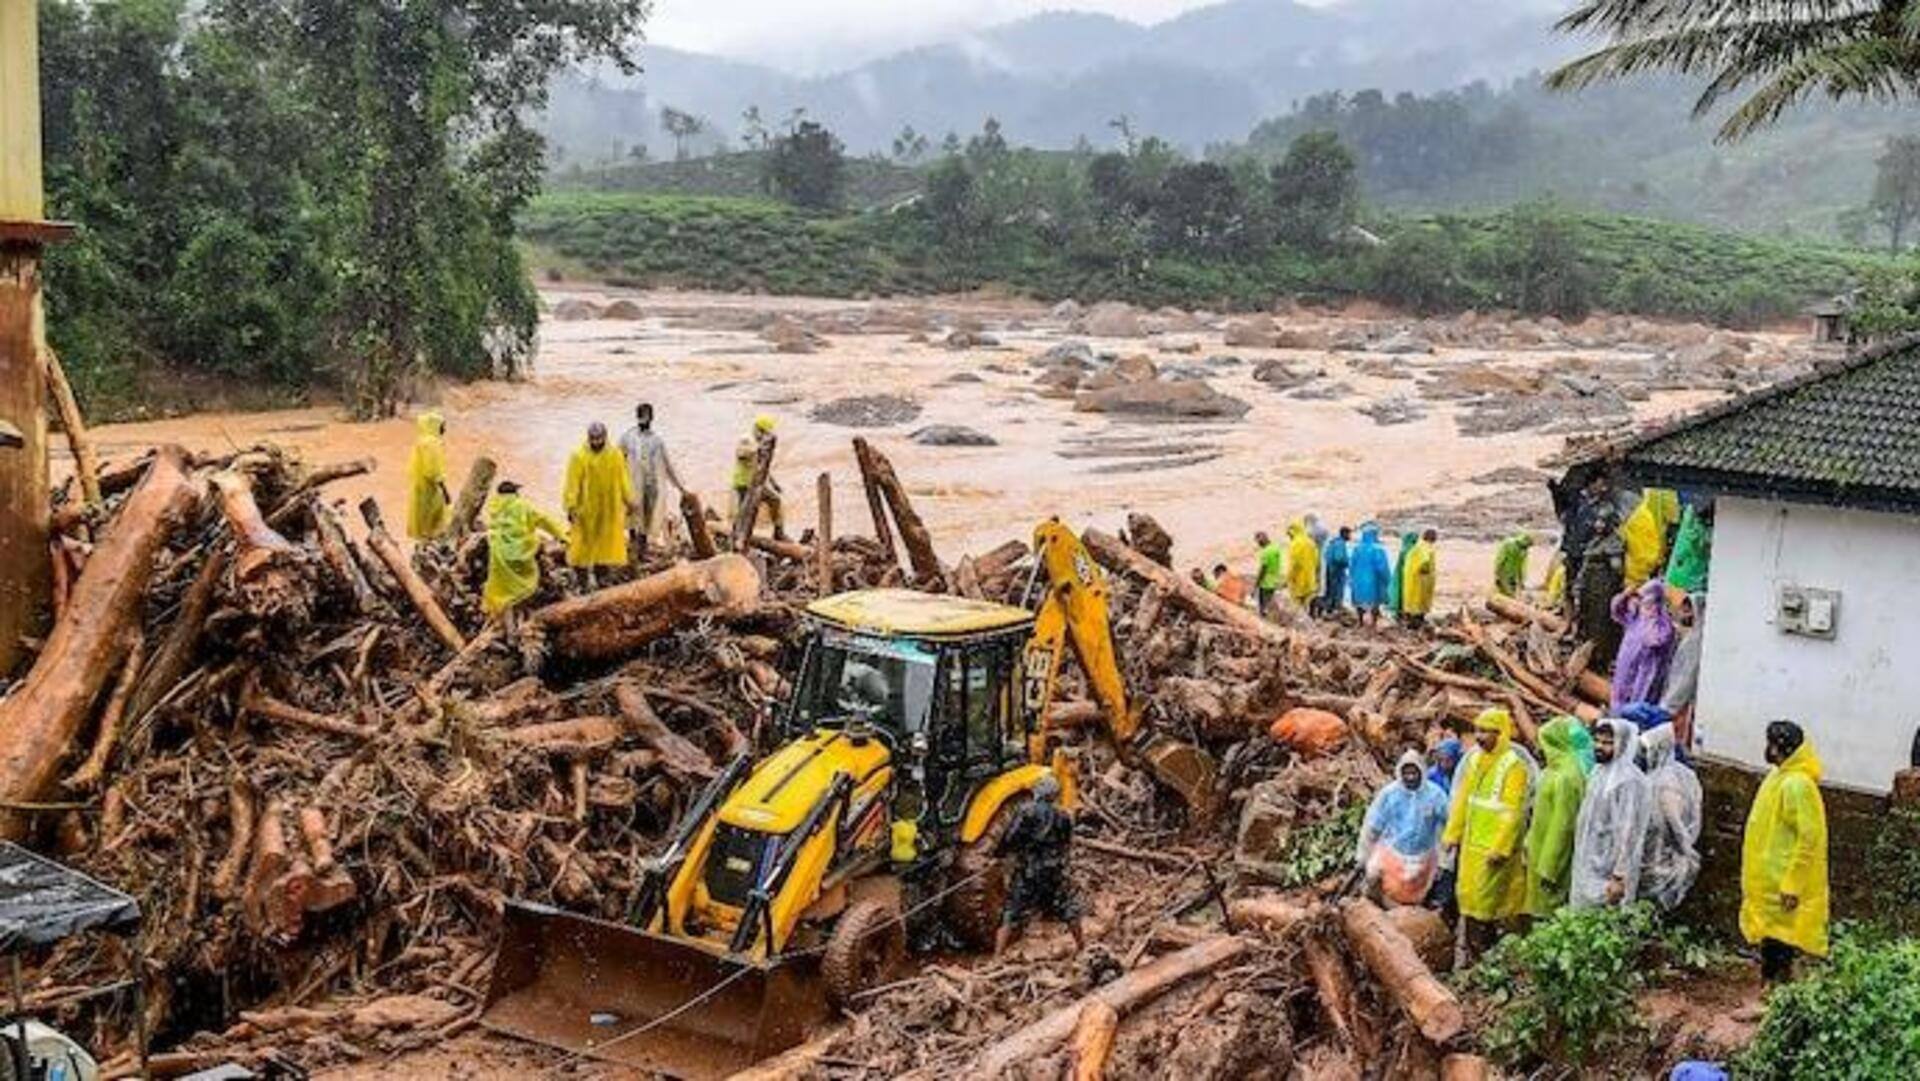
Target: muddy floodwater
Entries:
(1309, 443)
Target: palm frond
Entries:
(1880, 69)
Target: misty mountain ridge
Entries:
(1051, 79)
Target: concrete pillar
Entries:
(24, 570)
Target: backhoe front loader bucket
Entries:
(641, 999)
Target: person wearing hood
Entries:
(1397, 586)
(1422, 574)
(746, 459)
(1612, 828)
(429, 507)
(1598, 578)
(1556, 810)
(1486, 823)
(1645, 534)
(1683, 675)
(1303, 565)
(1783, 857)
(1510, 564)
(597, 496)
(1672, 858)
(1646, 647)
(1400, 837)
(1337, 561)
(1686, 569)
(513, 552)
(1445, 758)
(1372, 574)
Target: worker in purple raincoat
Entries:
(1646, 646)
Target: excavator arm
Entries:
(1074, 615)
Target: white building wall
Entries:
(1858, 696)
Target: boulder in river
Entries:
(952, 435)
(1183, 400)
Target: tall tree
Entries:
(681, 126)
(1776, 52)
(1896, 189)
(1316, 190)
(808, 167)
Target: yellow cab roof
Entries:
(910, 612)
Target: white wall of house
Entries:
(1858, 695)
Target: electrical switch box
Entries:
(1808, 612)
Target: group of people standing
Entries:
(611, 497)
(1323, 571)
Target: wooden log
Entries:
(1000, 560)
(792, 551)
(87, 777)
(927, 573)
(86, 462)
(678, 754)
(41, 718)
(240, 826)
(1396, 964)
(966, 580)
(313, 480)
(876, 503)
(618, 622)
(1092, 1041)
(338, 553)
(1274, 917)
(1464, 1067)
(1485, 687)
(1519, 611)
(1116, 556)
(177, 649)
(472, 499)
(424, 601)
(699, 534)
(255, 702)
(580, 738)
(275, 897)
(749, 508)
(331, 886)
(1125, 994)
(1430, 934)
(823, 536)
(1333, 985)
(1547, 695)
(1593, 687)
(257, 541)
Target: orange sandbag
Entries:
(1309, 732)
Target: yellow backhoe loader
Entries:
(916, 726)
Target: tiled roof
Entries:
(1847, 435)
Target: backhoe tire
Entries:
(973, 909)
(864, 951)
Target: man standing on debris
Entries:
(1612, 830)
(598, 495)
(1229, 586)
(1486, 823)
(513, 553)
(1400, 837)
(1598, 579)
(1372, 573)
(1416, 592)
(1556, 808)
(1783, 858)
(1397, 587)
(1303, 566)
(1672, 858)
(647, 462)
(428, 504)
(746, 455)
(1040, 840)
(1510, 564)
(1267, 586)
(1338, 560)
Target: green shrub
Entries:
(1858, 1016)
(1313, 853)
(1564, 992)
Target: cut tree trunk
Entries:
(86, 463)
(1397, 965)
(878, 473)
(1333, 984)
(1093, 1040)
(396, 563)
(823, 536)
(312, 480)
(1116, 556)
(699, 533)
(1274, 917)
(580, 738)
(679, 755)
(337, 550)
(473, 497)
(876, 503)
(1130, 991)
(41, 719)
(617, 622)
(1521, 612)
(87, 777)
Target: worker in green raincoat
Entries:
(1510, 564)
(513, 549)
(1487, 823)
(428, 504)
(1396, 589)
(1692, 548)
(1556, 808)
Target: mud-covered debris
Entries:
(867, 411)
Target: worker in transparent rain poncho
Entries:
(1612, 829)
(1672, 857)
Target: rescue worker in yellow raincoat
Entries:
(1417, 588)
(1487, 822)
(597, 497)
(513, 549)
(1783, 858)
(1303, 565)
(746, 456)
(428, 504)
(1645, 534)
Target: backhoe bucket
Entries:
(1189, 771)
(641, 999)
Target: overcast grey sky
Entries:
(810, 34)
